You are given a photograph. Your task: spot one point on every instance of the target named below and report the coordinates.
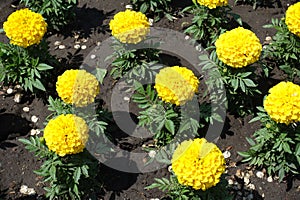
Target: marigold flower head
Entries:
(292, 18)
(238, 48)
(283, 103)
(25, 27)
(176, 84)
(198, 163)
(129, 26)
(211, 4)
(77, 87)
(66, 134)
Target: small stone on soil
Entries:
(226, 154)
(34, 119)
(76, 46)
(270, 179)
(260, 174)
(34, 132)
(129, 7)
(93, 56)
(61, 46)
(18, 97)
(83, 47)
(26, 109)
(9, 91)
(26, 190)
(57, 43)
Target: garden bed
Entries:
(88, 31)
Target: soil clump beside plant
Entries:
(89, 30)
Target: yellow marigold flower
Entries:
(198, 163)
(292, 18)
(211, 4)
(25, 27)
(176, 84)
(77, 87)
(238, 48)
(66, 134)
(283, 103)
(129, 26)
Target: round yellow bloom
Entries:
(77, 87)
(176, 84)
(292, 18)
(238, 48)
(211, 4)
(198, 163)
(66, 134)
(25, 27)
(283, 103)
(129, 26)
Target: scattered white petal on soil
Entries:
(152, 153)
(34, 118)
(84, 40)
(61, 46)
(270, 179)
(126, 98)
(98, 43)
(260, 174)
(93, 56)
(26, 109)
(17, 97)
(57, 43)
(226, 154)
(76, 46)
(83, 47)
(129, 7)
(9, 91)
(26, 190)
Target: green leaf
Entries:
(43, 67)
(169, 124)
(249, 83)
(100, 74)
(38, 84)
(77, 174)
(250, 141)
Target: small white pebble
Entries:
(187, 37)
(17, 97)
(34, 132)
(270, 179)
(129, 7)
(246, 180)
(57, 43)
(251, 186)
(83, 47)
(226, 154)
(170, 168)
(268, 38)
(198, 47)
(76, 46)
(34, 119)
(84, 40)
(260, 174)
(230, 182)
(263, 195)
(151, 21)
(26, 109)
(61, 46)
(93, 56)
(98, 43)
(126, 98)
(152, 153)
(26, 190)
(9, 91)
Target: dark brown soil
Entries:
(17, 164)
